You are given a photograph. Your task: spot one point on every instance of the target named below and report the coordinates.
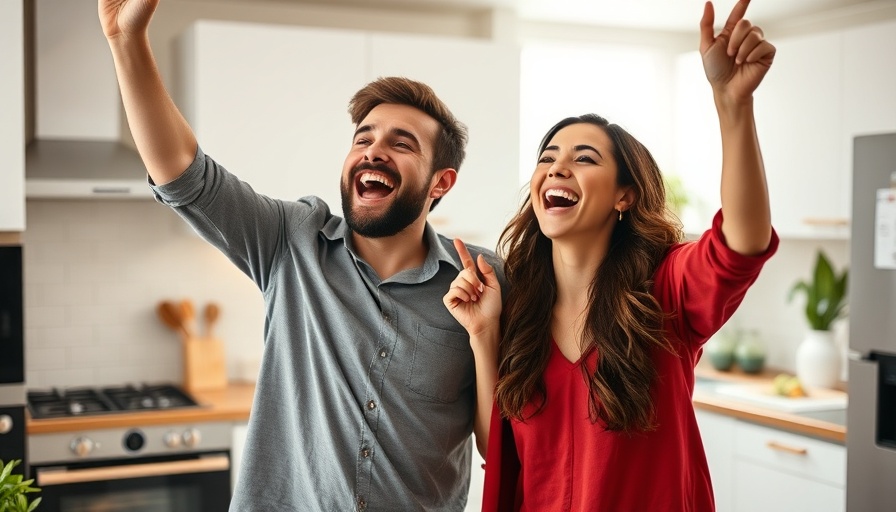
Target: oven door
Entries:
(12, 435)
(194, 483)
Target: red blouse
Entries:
(559, 460)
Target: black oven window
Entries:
(12, 338)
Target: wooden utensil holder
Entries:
(205, 365)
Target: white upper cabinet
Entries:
(869, 82)
(12, 117)
(270, 102)
(76, 91)
(799, 112)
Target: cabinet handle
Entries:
(774, 445)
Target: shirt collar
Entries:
(337, 228)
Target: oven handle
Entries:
(61, 476)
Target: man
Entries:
(367, 393)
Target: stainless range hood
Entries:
(84, 169)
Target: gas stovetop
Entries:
(86, 401)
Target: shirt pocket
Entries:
(442, 364)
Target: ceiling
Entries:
(683, 15)
(673, 15)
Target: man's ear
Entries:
(443, 181)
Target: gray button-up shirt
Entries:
(366, 395)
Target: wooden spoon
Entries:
(170, 315)
(211, 313)
(188, 317)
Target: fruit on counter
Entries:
(788, 385)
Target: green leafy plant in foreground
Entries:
(13, 490)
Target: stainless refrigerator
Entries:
(871, 415)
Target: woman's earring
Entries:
(620, 215)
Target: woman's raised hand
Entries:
(125, 17)
(474, 298)
(737, 58)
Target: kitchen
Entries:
(91, 266)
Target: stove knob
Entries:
(6, 424)
(82, 446)
(134, 440)
(172, 440)
(191, 437)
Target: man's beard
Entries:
(406, 207)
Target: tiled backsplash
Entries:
(94, 272)
(782, 325)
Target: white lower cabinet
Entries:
(236, 451)
(757, 468)
(716, 429)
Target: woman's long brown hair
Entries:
(624, 321)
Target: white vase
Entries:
(818, 360)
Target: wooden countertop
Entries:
(230, 404)
(763, 415)
(234, 403)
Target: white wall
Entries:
(94, 272)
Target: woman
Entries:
(607, 310)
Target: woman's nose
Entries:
(558, 169)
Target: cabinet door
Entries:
(869, 101)
(783, 471)
(269, 103)
(12, 120)
(758, 488)
(240, 430)
(479, 81)
(799, 113)
(716, 432)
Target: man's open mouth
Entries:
(372, 184)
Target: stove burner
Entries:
(131, 398)
(57, 403)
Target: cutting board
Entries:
(818, 399)
(205, 365)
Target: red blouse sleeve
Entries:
(701, 283)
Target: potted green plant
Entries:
(825, 294)
(13, 490)
(817, 357)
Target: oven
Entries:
(134, 466)
(12, 357)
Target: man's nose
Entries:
(375, 152)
